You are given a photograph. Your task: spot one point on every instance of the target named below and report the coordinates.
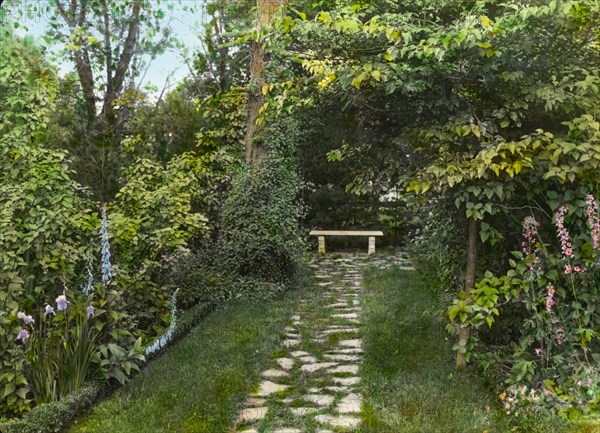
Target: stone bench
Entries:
(322, 233)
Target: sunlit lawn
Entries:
(198, 384)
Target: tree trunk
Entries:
(465, 332)
(254, 147)
(115, 82)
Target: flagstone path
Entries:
(312, 384)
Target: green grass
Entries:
(409, 381)
(197, 386)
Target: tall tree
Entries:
(107, 41)
(110, 43)
(254, 147)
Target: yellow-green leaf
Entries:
(265, 88)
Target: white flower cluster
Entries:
(164, 339)
(106, 266)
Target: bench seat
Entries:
(371, 234)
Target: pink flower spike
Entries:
(530, 239)
(550, 299)
(563, 233)
(538, 351)
(593, 220)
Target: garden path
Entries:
(312, 383)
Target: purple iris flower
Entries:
(49, 310)
(61, 302)
(23, 335)
(28, 320)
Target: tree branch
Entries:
(82, 62)
(64, 14)
(124, 60)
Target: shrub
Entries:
(553, 362)
(437, 247)
(193, 275)
(151, 218)
(201, 282)
(260, 236)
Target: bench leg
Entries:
(321, 244)
(371, 244)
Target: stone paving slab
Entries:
(252, 414)
(350, 404)
(338, 421)
(311, 368)
(268, 388)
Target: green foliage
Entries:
(43, 216)
(198, 282)
(153, 217)
(556, 294)
(14, 388)
(260, 237)
(223, 115)
(476, 102)
(201, 280)
(437, 246)
(165, 129)
(28, 86)
(44, 221)
(152, 214)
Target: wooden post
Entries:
(371, 245)
(321, 244)
(464, 333)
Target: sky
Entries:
(166, 68)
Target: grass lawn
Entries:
(409, 381)
(199, 383)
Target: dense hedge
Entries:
(53, 417)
